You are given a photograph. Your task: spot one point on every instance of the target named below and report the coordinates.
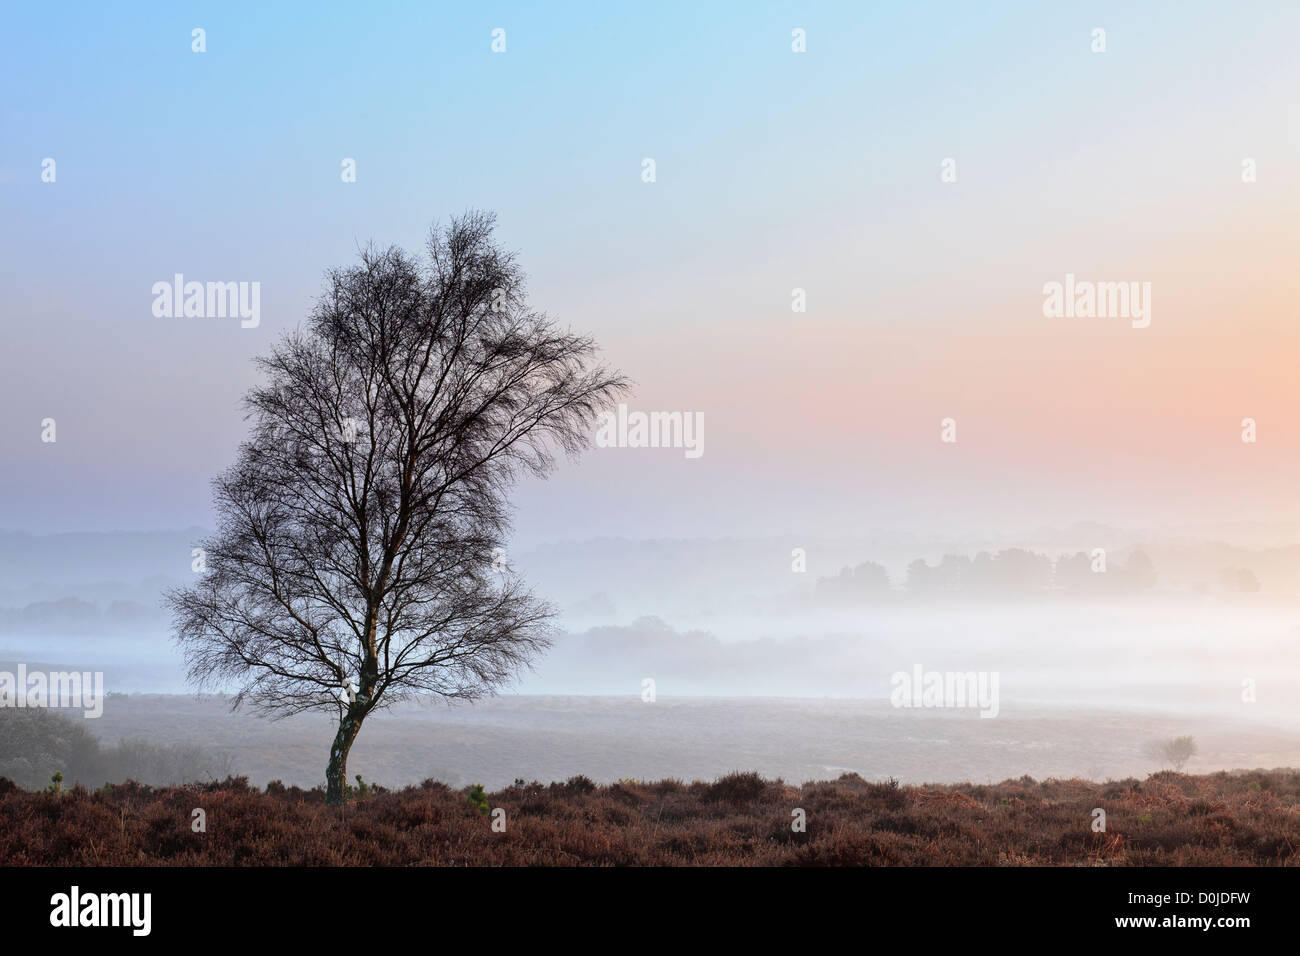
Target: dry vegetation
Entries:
(1244, 818)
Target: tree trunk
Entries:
(336, 772)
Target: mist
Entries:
(690, 658)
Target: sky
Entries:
(775, 170)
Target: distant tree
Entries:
(1073, 572)
(953, 572)
(1140, 571)
(867, 579)
(1174, 752)
(921, 577)
(870, 578)
(1239, 579)
(359, 556)
(1014, 571)
(1021, 571)
(983, 573)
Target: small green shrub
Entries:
(478, 799)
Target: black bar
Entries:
(335, 906)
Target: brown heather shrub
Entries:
(735, 789)
(1242, 818)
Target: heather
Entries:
(742, 819)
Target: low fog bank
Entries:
(111, 583)
(1196, 656)
(1202, 659)
(553, 738)
(1088, 615)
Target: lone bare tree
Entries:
(1174, 752)
(358, 557)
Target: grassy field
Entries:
(1239, 818)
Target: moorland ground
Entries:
(1238, 818)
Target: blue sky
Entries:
(774, 170)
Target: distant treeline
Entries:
(70, 615)
(36, 743)
(1013, 571)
